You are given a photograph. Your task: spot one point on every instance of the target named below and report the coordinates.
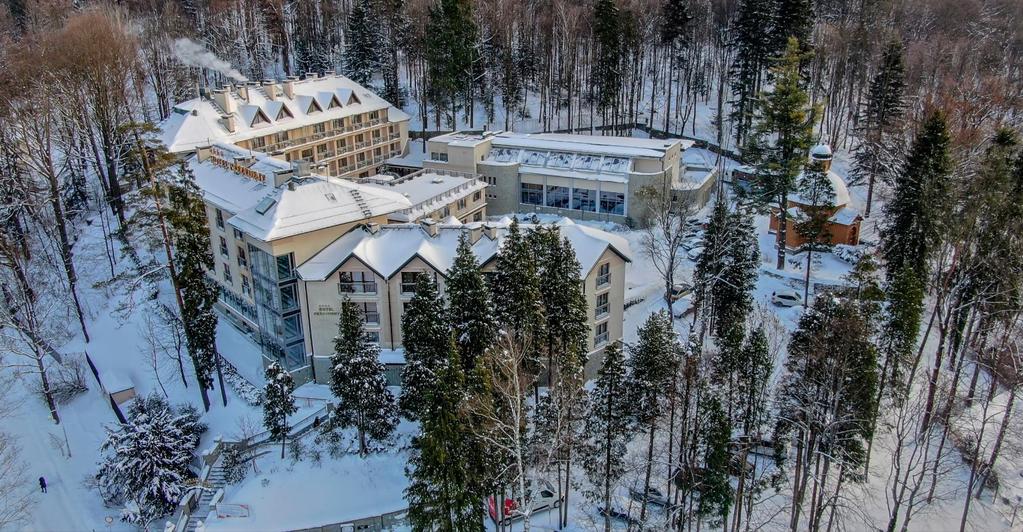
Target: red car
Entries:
(544, 498)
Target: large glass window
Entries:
(532, 194)
(289, 297)
(600, 335)
(357, 283)
(612, 203)
(292, 328)
(285, 268)
(370, 316)
(602, 306)
(557, 197)
(408, 282)
(220, 219)
(603, 274)
(584, 200)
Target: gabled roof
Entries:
(196, 123)
(391, 247)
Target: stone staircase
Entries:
(214, 482)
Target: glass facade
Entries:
(532, 194)
(612, 203)
(557, 197)
(277, 307)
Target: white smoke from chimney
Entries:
(192, 53)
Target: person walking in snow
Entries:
(42, 484)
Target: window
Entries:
(246, 287)
(477, 195)
(477, 216)
(220, 218)
(292, 328)
(227, 274)
(408, 282)
(337, 123)
(603, 274)
(532, 194)
(612, 203)
(321, 148)
(284, 267)
(242, 260)
(357, 283)
(557, 197)
(438, 156)
(307, 154)
(461, 204)
(584, 200)
(600, 335)
(289, 297)
(258, 142)
(602, 306)
(373, 336)
(370, 316)
(223, 247)
(238, 234)
(320, 128)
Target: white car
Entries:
(694, 254)
(786, 298)
(543, 498)
(690, 243)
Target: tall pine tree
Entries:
(278, 403)
(425, 337)
(753, 49)
(361, 56)
(784, 131)
(450, 34)
(193, 257)
(357, 381)
(470, 306)
(607, 71)
(879, 152)
(517, 299)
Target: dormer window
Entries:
(284, 113)
(334, 103)
(259, 118)
(314, 107)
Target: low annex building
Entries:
(267, 216)
(329, 121)
(843, 225)
(586, 177)
(376, 267)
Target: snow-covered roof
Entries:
(821, 151)
(242, 182)
(427, 190)
(592, 144)
(845, 216)
(837, 184)
(196, 122)
(388, 248)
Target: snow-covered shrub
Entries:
(296, 449)
(234, 464)
(850, 254)
(145, 460)
(245, 389)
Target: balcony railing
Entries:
(357, 287)
(603, 280)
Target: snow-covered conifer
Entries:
(358, 383)
(425, 337)
(361, 56)
(470, 306)
(278, 403)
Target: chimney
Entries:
(202, 153)
(282, 176)
(230, 122)
(373, 228)
(301, 168)
(243, 92)
(328, 73)
(475, 233)
(291, 184)
(289, 87)
(490, 231)
(270, 88)
(225, 100)
(429, 226)
(310, 75)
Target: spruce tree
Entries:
(444, 482)
(753, 48)
(817, 195)
(450, 34)
(727, 270)
(193, 257)
(145, 460)
(783, 135)
(879, 151)
(278, 403)
(793, 19)
(914, 217)
(425, 338)
(607, 71)
(361, 55)
(565, 309)
(608, 429)
(470, 306)
(715, 490)
(357, 381)
(654, 359)
(517, 299)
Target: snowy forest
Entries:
(885, 403)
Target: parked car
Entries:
(694, 254)
(786, 298)
(618, 514)
(691, 243)
(653, 496)
(544, 497)
(681, 290)
(762, 447)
